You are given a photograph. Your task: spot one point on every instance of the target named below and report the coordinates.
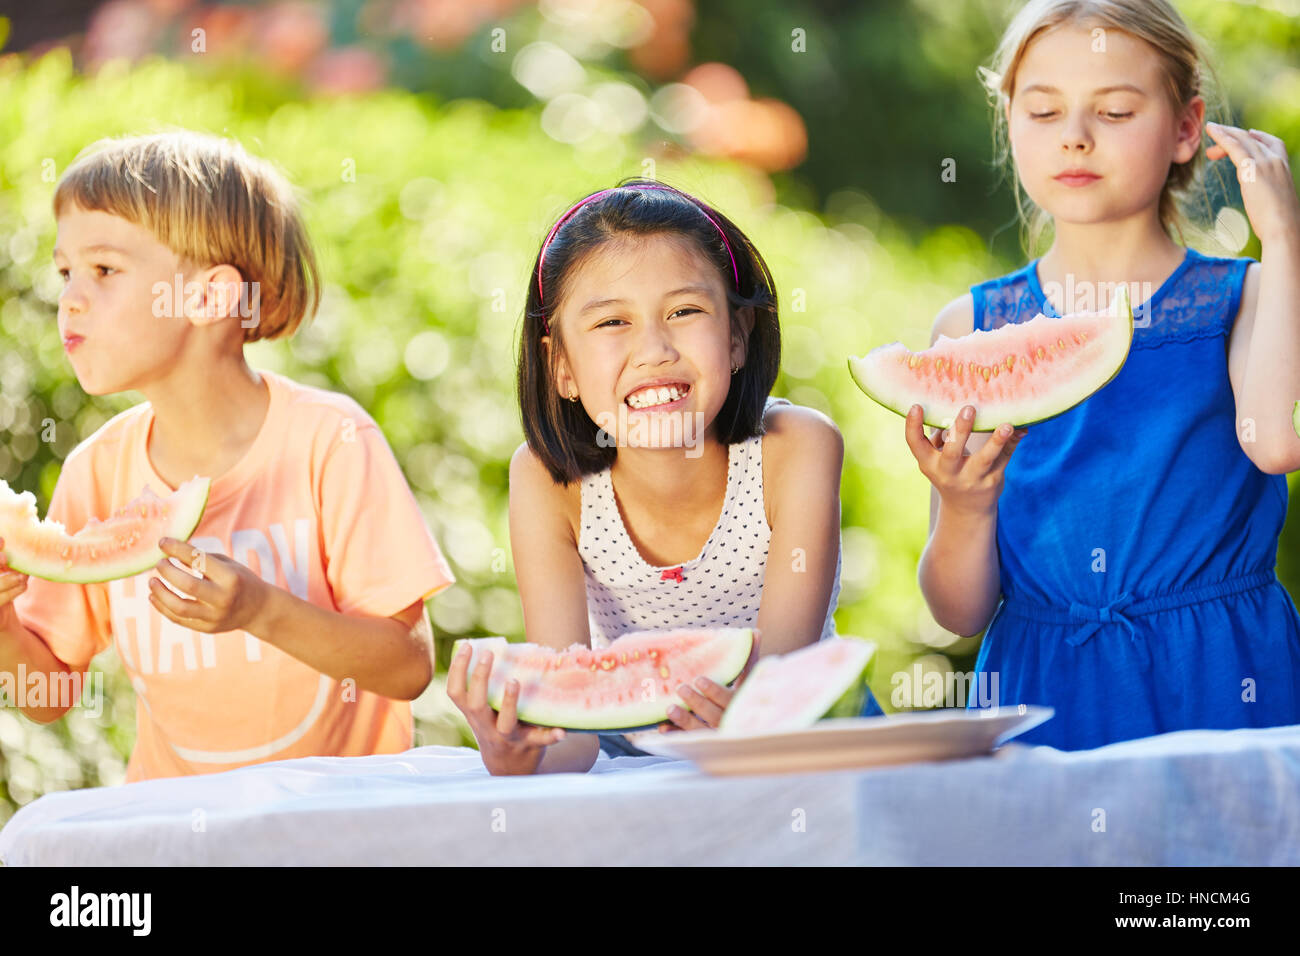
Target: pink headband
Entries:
(541, 259)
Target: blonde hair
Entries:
(1187, 71)
(210, 202)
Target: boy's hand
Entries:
(707, 699)
(507, 746)
(965, 482)
(12, 584)
(224, 596)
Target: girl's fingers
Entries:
(923, 449)
(1274, 143)
(457, 675)
(984, 460)
(478, 683)
(542, 736)
(684, 719)
(954, 448)
(507, 718)
(1000, 463)
(1238, 145)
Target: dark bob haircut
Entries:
(560, 432)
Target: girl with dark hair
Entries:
(658, 476)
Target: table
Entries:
(1187, 798)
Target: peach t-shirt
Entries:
(318, 506)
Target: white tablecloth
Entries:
(1196, 797)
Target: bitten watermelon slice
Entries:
(626, 686)
(793, 691)
(121, 546)
(1020, 373)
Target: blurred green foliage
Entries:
(427, 214)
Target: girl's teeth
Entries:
(656, 396)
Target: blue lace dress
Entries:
(1137, 542)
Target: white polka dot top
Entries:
(720, 587)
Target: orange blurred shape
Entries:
(226, 30)
(668, 48)
(289, 35)
(766, 133)
(348, 69)
(717, 82)
(446, 24)
(169, 8)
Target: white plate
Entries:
(851, 741)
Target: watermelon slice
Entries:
(793, 691)
(626, 686)
(120, 547)
(1020, 373)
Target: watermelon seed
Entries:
(663, 672)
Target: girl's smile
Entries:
(659, 395)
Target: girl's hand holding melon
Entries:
(967, 482)
(707, 699)
(506, 745)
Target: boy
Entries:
(299, 628)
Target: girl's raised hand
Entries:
(966, 482)
(1267, 190)
(506, 745)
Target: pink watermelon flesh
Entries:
(121, 546)
(793, 691)
(628, 685)
(1020, 373)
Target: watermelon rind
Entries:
(187, 504)
(626, 717)
(1295, 418)
(840, 693)
(1031, 412)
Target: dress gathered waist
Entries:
(1092, 618)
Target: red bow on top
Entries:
(672, 574)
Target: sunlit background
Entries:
(435, 140)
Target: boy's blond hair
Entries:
(211, 203)
(1183, 61)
